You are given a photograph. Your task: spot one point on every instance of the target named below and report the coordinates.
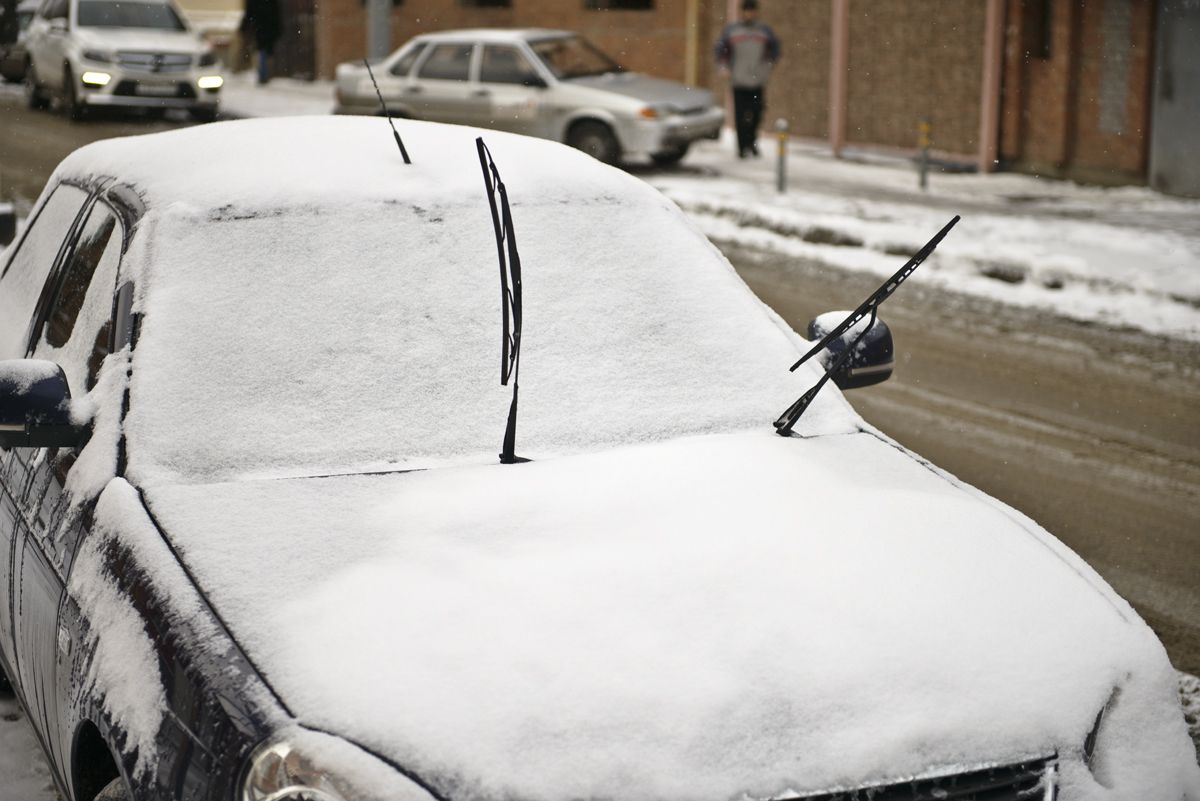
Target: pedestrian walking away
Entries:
(747, 51)
(265, 19)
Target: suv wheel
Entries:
(670, 157)
(71, 105)
(596, 139)
(33, 90)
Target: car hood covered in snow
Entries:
(704, 618)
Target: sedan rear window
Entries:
(448, 62)
(405, 64)
(573, 57)
(105, 14)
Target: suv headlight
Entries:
(279, 772)
(98, 56)
(208, 58)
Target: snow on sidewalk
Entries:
(1123, 257)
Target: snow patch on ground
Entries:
(24, 774)
(1122, 257)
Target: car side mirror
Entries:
(534, 82)
(8, 224)
(873, 358)
(35, 406)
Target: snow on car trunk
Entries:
(695, 619)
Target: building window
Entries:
(486, 3)
(618, 5)
(1038, 17)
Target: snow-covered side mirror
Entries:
(871, 361)
(35, 406)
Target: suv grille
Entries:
(154, 62)
(1035, 780)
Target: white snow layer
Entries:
(704, 618)
(342, 310)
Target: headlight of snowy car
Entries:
(278, 772)
(98, 56)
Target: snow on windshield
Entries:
(305, 339)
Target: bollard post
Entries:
(924, 140)
(781, 128)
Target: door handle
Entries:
(413, 90)
(481, 93)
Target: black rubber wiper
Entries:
(510, 293)
(870, 306)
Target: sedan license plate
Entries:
(157, 89)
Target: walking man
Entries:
(746, 51)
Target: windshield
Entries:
(302, 341)
(105, 14)
(573, 57)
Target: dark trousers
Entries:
(747, 114)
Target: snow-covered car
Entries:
(12, 53)
(547, 83)
(119, 53)
(257, 543)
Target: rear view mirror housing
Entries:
(35, 406)
(8, 224)
(873, 359)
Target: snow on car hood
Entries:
(701, 618)
(647, 89)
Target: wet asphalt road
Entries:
(1093, 432)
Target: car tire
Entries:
(113, 791)
(203, 113)
(33, 89)
(74, 109)
(596, 139)
(671, 157)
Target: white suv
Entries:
(109, 53)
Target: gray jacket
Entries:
(748, 50)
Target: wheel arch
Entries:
(93, 765)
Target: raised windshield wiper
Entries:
(870, 306)
(510, 293)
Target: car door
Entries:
(510, 91)
(442, 89)
(49, 50)
(73, 329)
(22, 281)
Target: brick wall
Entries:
(911, 59)
(1079, 108)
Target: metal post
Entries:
(379, 28)
(924, 142)
(781, 129)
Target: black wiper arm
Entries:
(870, 306)
(510, 292)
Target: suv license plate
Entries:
(157, 89)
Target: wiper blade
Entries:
(870, 306)
(510, 292)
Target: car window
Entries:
(110, 14)
(506, 65)
(55, 9)
(79, 307)
(405, 64)
(24, 278)
(448, 62)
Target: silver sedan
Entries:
(550, 84)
